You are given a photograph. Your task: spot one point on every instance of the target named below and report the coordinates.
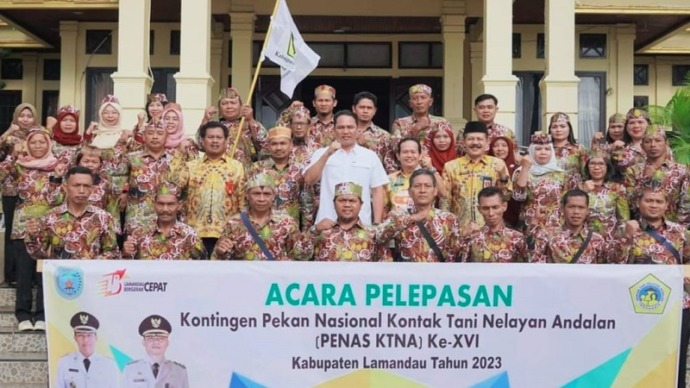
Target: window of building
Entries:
(640, 101)
(50, 103)
(12, 68)
(420, 55)
(592, 45)
(641, 74)
(175, 42)
(681, 74)
(9, 99)
(332, 54)
(99, 42)
(517, 45)
(372, 55)
(164, 81)
(541, 50)
(98, 85)
(51, 69)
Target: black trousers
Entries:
(209, 244)
(683, 353)
(8, 206)
(26, 274)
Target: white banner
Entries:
(297, 324)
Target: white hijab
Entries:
(541, 169)
(105, 137)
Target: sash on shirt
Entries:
(256, 237)
(663, 241)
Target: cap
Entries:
(261, 179)
(635, 113)
(420, 88)
(325, 89)
(560, 116)
(68, 109)
(300, 112)
(278, 132)
(654, 130)
(167, 188)
(229, 93)
(37, 129)
(348, 188)
(154, 324)
(83, 322)
(617, 118)
(540, 138)
(157, 97)
(110, 98)
(475, 127)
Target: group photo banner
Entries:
(173, 324)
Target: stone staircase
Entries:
(23, 355)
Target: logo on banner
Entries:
(69, 282)
(649, 295)
(114, 284)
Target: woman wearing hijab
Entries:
(155, 105)
(571, 156)
(172, 120)
(38, 193)
(503, 148)
(441, 147)
(66, 136)
(12, 141)
(539, 183)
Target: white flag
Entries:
(287, 49)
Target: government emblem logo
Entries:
(69, 282)
(649, 295)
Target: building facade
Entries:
(537, 56)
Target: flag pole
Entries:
(255, 77)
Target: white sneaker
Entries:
(40, 325)
(25, 326)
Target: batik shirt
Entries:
(253, 139)
(301, 151)
(645, 249)
(628, 157)
(112, 165)
(322, 133)
(299, 155)
(541, 192)
(464, 179)
(379, 141)
(674, 184)
(16, 144)
(495, 131)
(608, 209)
(37, 195)
(214, 189)
(63, 235)
(403, 127)
(409, 240)
(503, 245)
(359, 243)
(280, 234)
(65, 154)
(289, 186)
(145, 173)
(572, 159)
(103, 198)
(181, 243)
(559, 245)
(398, 192)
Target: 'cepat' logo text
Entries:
(114, 283)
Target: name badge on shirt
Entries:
(73, 370)
(487, 182)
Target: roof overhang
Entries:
(14, 36)
(641, 7)
(675, 42)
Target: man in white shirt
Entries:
(345, 161)
(85, 368)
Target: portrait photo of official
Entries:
(155, 371)
(85, 368)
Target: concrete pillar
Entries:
(625, 58)
(132, 81)
(498, 58)
(242, 34)
(453, 68)
(68, 63)
(217, 62)
(559, 85)
(477, 63)
(194, 80)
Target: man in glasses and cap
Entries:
(85, 368)
(155, 370)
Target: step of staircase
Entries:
(23, 367)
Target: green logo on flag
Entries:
(291, 47)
